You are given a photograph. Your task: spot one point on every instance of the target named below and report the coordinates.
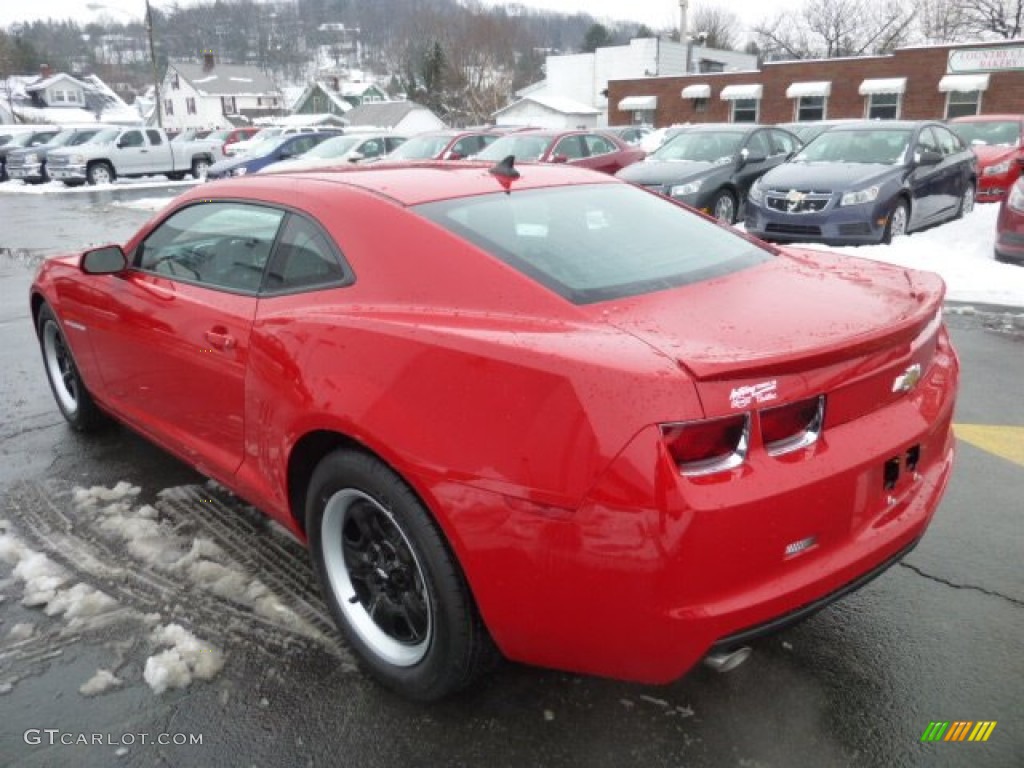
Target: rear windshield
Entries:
(996, 133)
(421, 148)
(597, 242)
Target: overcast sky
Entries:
(654, 13)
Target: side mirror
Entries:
(456, 156)
(355, 157)
(928, 157)
(120, 144)
(108, 260)
(747, 157)
(1020, 161)
(559, 159)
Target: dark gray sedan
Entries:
(710, 167)
(865, 183)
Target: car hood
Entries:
(989, 155)
(801, 310)
(666, 171)
(829, 176)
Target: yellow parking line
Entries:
(1003, 441)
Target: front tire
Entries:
(723, 207)
(73, 399)
(100, 173)
(898, 221)
(966, 201)
(390, 580)
(199, 168)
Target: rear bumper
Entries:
(654, 571)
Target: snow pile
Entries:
(960, 251)
(144, 204)
(21, 631)
(187, 658)
(103, 680)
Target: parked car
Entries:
(443, 145)
(9, 131)
(811, 129)
(30, 164)
(653, 140)
(996, 142)
(1010, 226)
(583, 149)
(230, 136)
(548, 412)
(24, 140)
(631, 134)
(341, 150)
(710, 167)
(131, 152)
(865, 183)
(243, 146)
(270, 151)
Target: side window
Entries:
(154, 137)
(782, 143)
(598, 145)
(948, 141)
(570, 147)
(220, 245)
(465, 147)
(393, 142)
(304, 258)
(370, 148)
(302, 144)
(927, 141)
(758, 145)
(486, 141)
(131, 139)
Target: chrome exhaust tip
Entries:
(726, 661)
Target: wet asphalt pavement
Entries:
(936, 638)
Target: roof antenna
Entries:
(505, 171)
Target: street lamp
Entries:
(152, 51)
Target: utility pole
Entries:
(152, 58)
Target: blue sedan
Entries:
(267, 152)
(865, 183)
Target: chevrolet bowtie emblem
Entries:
(795, 196)
(907, 380)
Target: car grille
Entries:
(812, 200)
(857, 228)
(53, 162)
(792, 229)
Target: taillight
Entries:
(789, 428)
(705, 447)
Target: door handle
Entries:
(220, 338)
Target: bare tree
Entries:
(834, 28)
(717, 27)
(999, 18)
(941, 21)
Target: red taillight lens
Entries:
(1016, 198)
(791, 427)
(705, 447)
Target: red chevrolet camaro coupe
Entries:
(549, 414)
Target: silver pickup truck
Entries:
(118, 152)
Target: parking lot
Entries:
(936, 638)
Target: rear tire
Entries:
(390, 580)
(966, 201)
(73, 399)
(200, 166)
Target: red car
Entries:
(576, 421)
(231, 135)
(584, 149)
(1010, 226)
(996, 141)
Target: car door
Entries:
(926, 181)
(755, 159)
(569, 149)
(173, 336)
(955, 175)
(602, 154)
(159, 155)
(132, 153)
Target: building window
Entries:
(58, 96)
(960, 103)
(810, 108)
(700, 105)
(883, 106)
(168, 107)
(744, 110)
(643, 117)
(175, 82)
(190, 105)
(227, 105)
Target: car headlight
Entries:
(77, 159)
(32, 158)
(997, 169)
(682, 190)
(240, 171)
(756, 193)
(1016, 198)
(860, 197)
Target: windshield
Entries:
(596, 242)
(421, 148)
(83, 137)
(62, 138)
(1001, 133)
(105, 136)
(717, 147)
(525, 148)
(882, 146)
(335, 147)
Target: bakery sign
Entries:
(965, 60)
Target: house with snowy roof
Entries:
(399, 116)
(204, 94)
(62, 99)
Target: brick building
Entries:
(911, 83)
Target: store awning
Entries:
(963, 83)
(733, 92)
(700, 91)
(815, 88)
(887, 85)
(633, 103)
